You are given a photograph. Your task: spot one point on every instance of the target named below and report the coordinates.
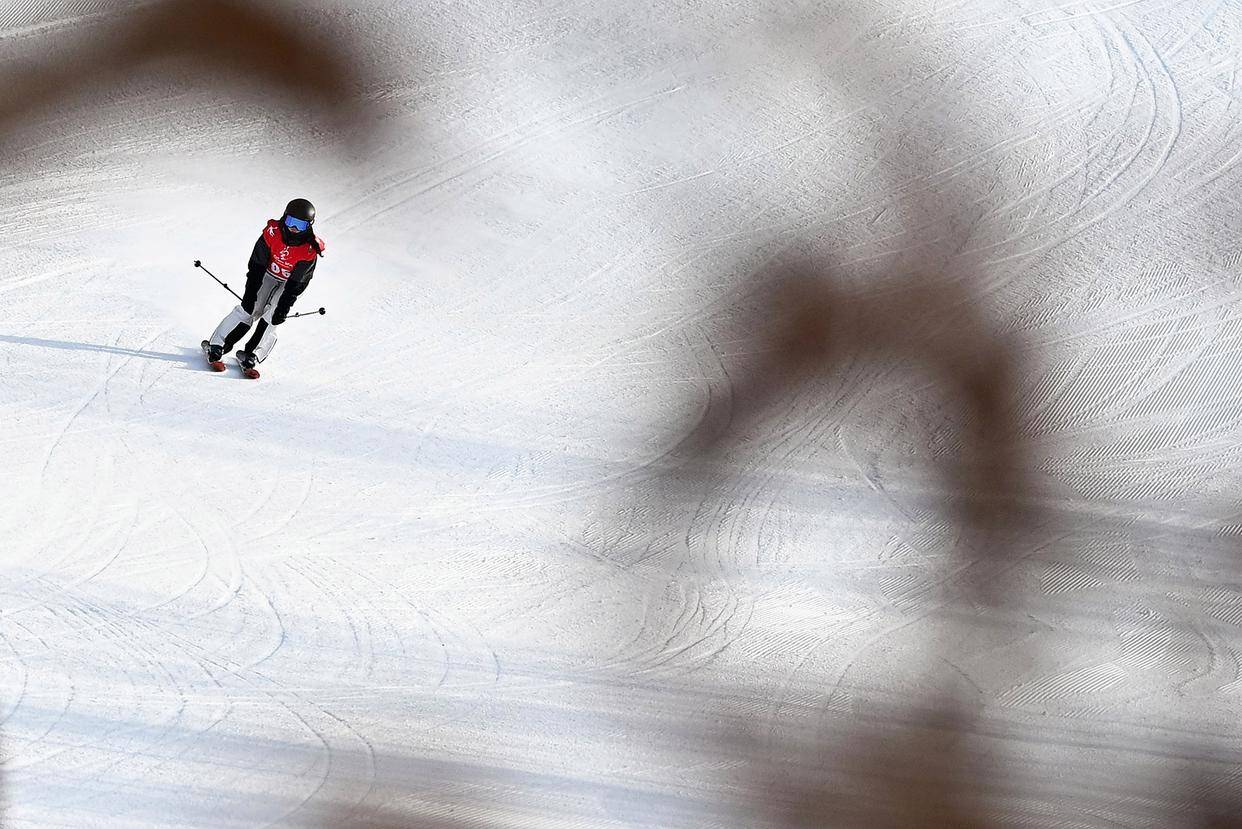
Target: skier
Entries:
(281, 266)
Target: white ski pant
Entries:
(264, 306)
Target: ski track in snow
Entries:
(539, 526)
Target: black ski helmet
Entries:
(301, 209)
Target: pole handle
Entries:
(199, 264)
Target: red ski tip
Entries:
(217, 366)
(251, 373)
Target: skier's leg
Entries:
(235, 335)
(266, 299)
(262, 341)
(234, 326)
(231, 328)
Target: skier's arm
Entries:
(260, 258)
(298, 280)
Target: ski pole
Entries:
(199, 264)
(307, 314)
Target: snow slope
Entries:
(761, 414)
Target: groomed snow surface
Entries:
(782, 414)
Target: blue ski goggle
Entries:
(300, 225)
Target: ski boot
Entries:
(248, 364)
(215, 356)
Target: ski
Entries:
(214, 365)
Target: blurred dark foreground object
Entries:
(320, 75)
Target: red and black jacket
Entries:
(293, 263)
